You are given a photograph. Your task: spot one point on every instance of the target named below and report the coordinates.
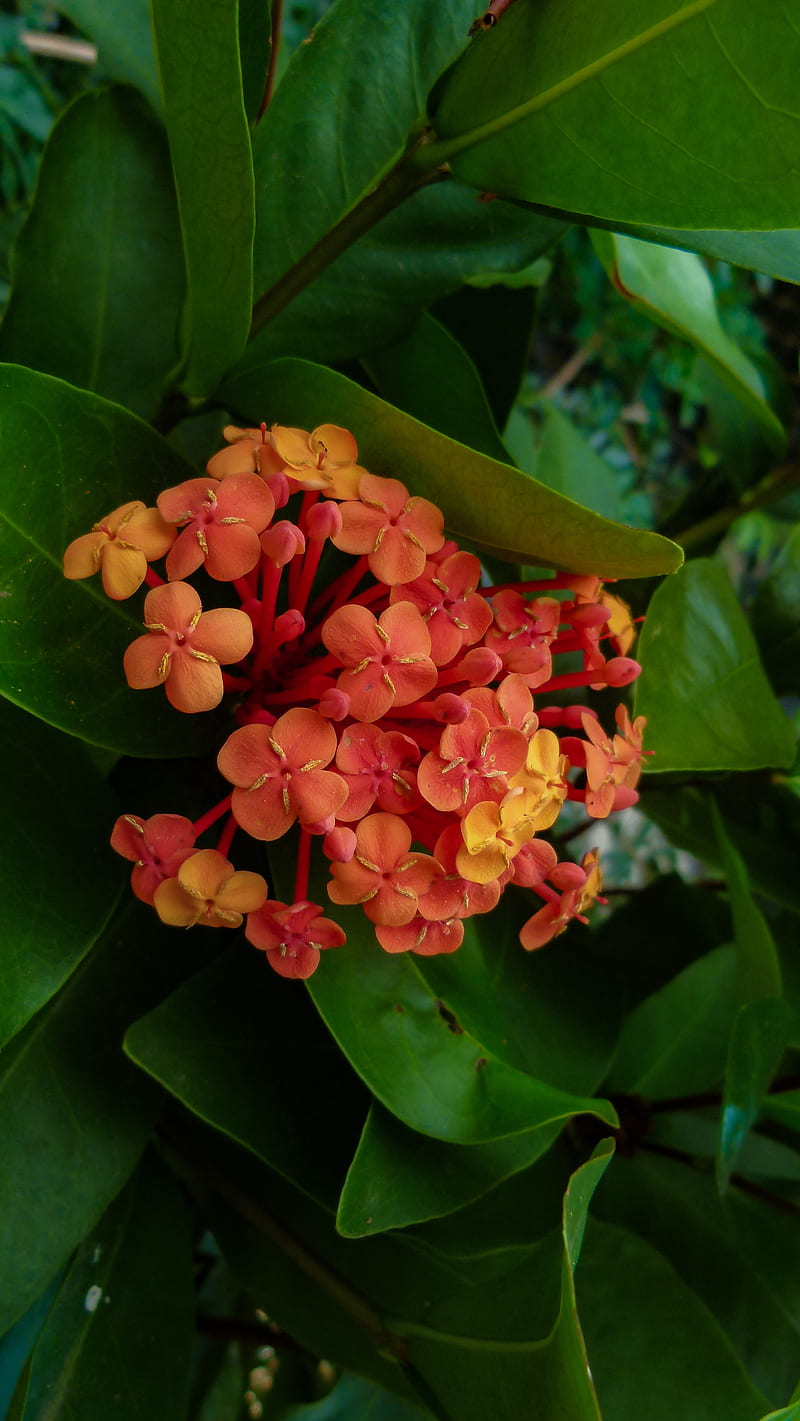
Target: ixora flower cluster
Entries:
(388, 710)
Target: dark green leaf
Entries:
(356, 1397)
(197, 48)
(418, 1059)
(654, 1349)
(123, 34)
(121, 1329)
(554, 452)
(676, 1040)
(57, 890)
(430, 376)
(61, 643)
(246, 1051)
(398, 1177)
(526, 522)
(17, 1345)
(663, 118)
(74, 1114)
(255, 44)
(97, 271)
(758, 972)
(693, 1132)
(784, 1107)
(674, 289)
(757, 1043)
(738, 1254)
(704, 692)
(776, 617)
(494, 324)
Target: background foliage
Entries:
(554, 261)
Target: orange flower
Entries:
(383, 875)
(473, 763)
(455, 613)
(395, 531)
(185, 646)
(324, 459)
(120, 546)
(580, 885)
(156, 846)
(292, 937)
(209, 891)
(279, 774)
(387, 659)
(222, 525)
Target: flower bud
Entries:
(323, 520)
(289, 625)
(480, 666)
(334, 704)
(451, 709)
(621, 670)
(340, 844)
(282, 542)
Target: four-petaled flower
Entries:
(185, 647)
(396, 532)
(279, 773)
(387, 659)
(156, 846)
(220, 525)
(325, 459)
(208, 890)
(456, 615)
(292, 937)
(474, 762)
(383, 875)
(120, 546)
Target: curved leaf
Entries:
(758, 1041)
(97, 272)
(674, 289)
(61, 643)
(490, 504)
(197, 49)
(758, 971)
(776, 617)
(706, 697)
(122, 31)
(678, 116)
(54, 905)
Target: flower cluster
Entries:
(393, 707)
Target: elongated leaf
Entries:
(61, 643)
(398, 1177)
(666, 117)
(246, 1052)
(738, 1254)
(758, 1041)
(758, 972)
(122, 1325)
(197, 48)
(785, 1108)
(676, 1040)
(489, 503)
(17, 1345)
(652, 1343)
(776, 617)
(97, 273)
(775, 253)
(57, 890)
(555, 453)
(430, 376)
(123, 34)
(674, 289)
(74, 1114)
(355, 1396)
(508, 1365)
(707, 700)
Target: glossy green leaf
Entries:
(654, 1348)
(97, 271)
(17, 1345)
(694, 1133)
(786, 1413)
(417, 1058)
(785, 1108)
(758, 972)
(553, 451)
(757, 1043)
(398, 1177)
(775, 253)
(494, 324)
(430, 376)
(526, 522)
(245, 1051)
(74, 1114)
(708, 703)
(666, 117)
(500, 1369)
(122, 1326)
(197, 48)
(57, 890)
(61, 643)
(255, 43)
(739, 1255)
(776, 617)
(123, 34)
(675, 1041)
(674, 289)
(356, 1397)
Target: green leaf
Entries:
(431, 377)
(418, 1059)
(703, 690)
(737, 1254)
(17, 1345)
(758, 972)
(554, 452)
(676, 1040)
(61, 643)
(527, 523)
(123, 34)
(97, 268)
(247, 1053)
(674, 289)
(776, 617)
(677, 117)
(494, 324)
(784, 1107)
(197, 47)
(122, 1326)
(398, 1177)
(74, 1114)
(757, 1043)
(786, 1413)
(497, 1370)
(355, 1396)
(654, 1349)
(776, 253)
(54, 907)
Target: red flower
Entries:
(157, 847)
(279, 773)
(292, 937)
(456, 615)
(376, 766)
(473, 763)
